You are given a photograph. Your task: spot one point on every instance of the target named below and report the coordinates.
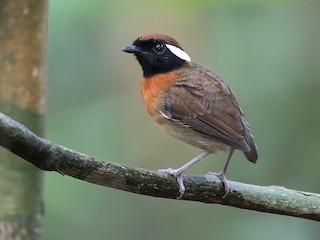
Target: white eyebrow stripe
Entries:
(179, 52)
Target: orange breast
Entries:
(153, 88)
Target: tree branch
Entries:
(208, 189)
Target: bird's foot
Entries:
(223, 178)
(170, 171)
(177, 174)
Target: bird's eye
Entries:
(159, 48)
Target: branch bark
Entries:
(208, 189)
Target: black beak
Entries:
(131, 49)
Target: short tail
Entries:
(252, 154)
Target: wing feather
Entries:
(205, 103)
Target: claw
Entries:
(181, 186)
(175, 173)
(224, 180)
(58, 171)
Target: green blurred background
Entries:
(267, 51)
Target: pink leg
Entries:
(222, 175)
(178, 172)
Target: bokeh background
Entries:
(267, 51)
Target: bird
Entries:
(191, 103)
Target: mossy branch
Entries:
(208, 189)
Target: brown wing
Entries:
(204, 102)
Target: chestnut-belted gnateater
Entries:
(191, 103)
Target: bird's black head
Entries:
(157, 53)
